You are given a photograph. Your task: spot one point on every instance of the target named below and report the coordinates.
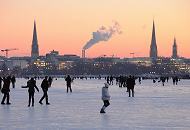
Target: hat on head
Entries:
(106, 85)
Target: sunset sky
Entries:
(66, 26)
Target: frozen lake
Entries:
(153, 107)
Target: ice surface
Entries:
(153, 107)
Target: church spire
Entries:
(174, 50)
(35, 49)
(153, 46)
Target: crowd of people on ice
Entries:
(121, 81)
(5, 83)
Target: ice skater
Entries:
(5, 90)
(68, 82)
(105, 97)
(31, 85)
(13, 81)
(130, 85)
(45, 85)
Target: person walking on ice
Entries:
(6, 90)
(31, 85)
(68, 82)
(45, 85)
(105, 97)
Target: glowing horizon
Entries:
(67, 25)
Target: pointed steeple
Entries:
(35, 49)
(174, 49)
(35, 34)
(153, 46)
(175, 42)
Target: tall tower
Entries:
(35, 49)
(174, 51)
(153, 46)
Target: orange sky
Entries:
(66, 26)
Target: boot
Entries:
(102, 111)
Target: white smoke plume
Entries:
(103, 34)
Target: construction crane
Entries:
(133, 54)
(7, 51)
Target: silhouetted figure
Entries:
(154, 81)
(163, 79)
(31, 85)
(117, 80)
(6, 89)
(175, 80)
(45, 85)
(105, 97)
(50, 80)
(1, 80)
(99, 77)
(108, 79)
(167, 79)
(13, 81)
(111, 80)
(68, 82)
(131, 85)
(139, 80)
(121, 81)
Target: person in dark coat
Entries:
(68, 82)
(5, 90)
(13, 81)
(31, 85)
(131, 85)
(45, 85)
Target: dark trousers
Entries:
(6, 95)
(44, 96)
(69, 87)
(13, 84)
(106, 103)
(131, 90)
(31, 96)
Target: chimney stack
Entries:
(83, 53)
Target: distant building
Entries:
(35, 49)
(22, 62)
(68, 57)
(144, 61)
(174, 50)
(153, 46)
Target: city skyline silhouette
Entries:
(66, 26)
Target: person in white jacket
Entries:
(105, 97)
